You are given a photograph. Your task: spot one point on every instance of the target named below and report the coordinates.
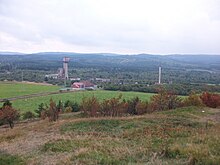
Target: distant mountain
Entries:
(11, 53)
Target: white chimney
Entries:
(159, 82)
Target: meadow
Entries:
(13, 89)
(183, 136)
(31, 104)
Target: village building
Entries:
(82, 85)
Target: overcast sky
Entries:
(116, 26)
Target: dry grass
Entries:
(159, 138)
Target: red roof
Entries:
(78, 85)
(82, 84)
(88, 84)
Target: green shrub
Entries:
(6, 159)
(28, 115)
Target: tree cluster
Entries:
(53, 110)
(180, 89)
(113, 107)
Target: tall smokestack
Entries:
(65, 67)
(159, 82)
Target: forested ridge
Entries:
(127, 72)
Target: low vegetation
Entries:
(7, 159)
(187, 135)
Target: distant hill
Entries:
(207, 61)
(140, 67)
(11, 53)
(141, 61)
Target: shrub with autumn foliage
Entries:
(210, 99)
(113, 107)
(90, 107)
(142, 108)
(8, 114)
(165, 100)
(132, 104)
(53, 112)
(68, 110)
(193, 100)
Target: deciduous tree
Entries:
(8, 114)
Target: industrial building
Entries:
(83, 85)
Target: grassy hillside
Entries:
(181, 136)
(12, 89)
(32, 104)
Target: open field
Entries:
(181, 136)
(19, 89)
(32, 103)
(13, 89)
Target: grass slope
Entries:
(189, 137)
(12, 89)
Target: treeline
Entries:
(179, 89)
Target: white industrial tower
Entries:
(159, 82)
(65, 67)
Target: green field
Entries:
(12, 89)
(32, 103)
(18, 89)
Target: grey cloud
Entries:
(115, 26)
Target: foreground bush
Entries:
(142, 108)
(193, 100)
(8, 114)
(41, 109)
(28, 115)
(73, 105)
(51, 112)
(165, 100)
(210, 99)
(90, 106)
(113, 107)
